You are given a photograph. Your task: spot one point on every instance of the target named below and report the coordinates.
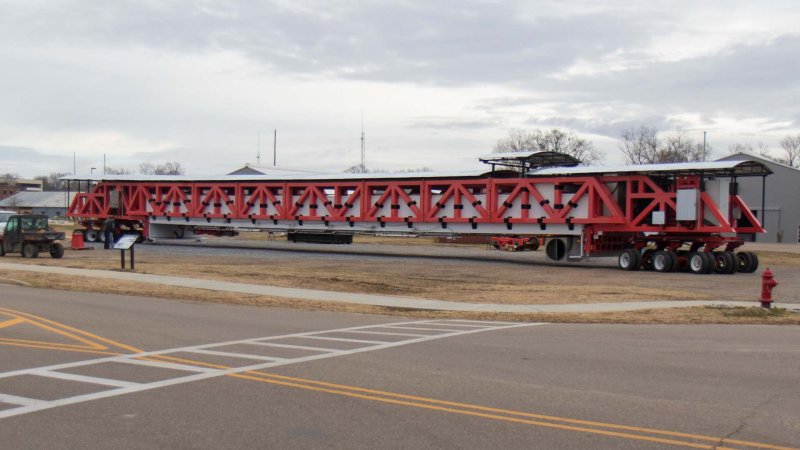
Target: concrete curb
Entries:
(370, 299)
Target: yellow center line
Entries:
(563, 423)
(46, 346)
(11, 322)
(86, 337)
(484, 415)
(462, 408)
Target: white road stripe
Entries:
(236, 355)
(386, 333)
(24, 401)
(161, 365)
(327, 338)
(443, 330)
(83, 378)
(31, 405)
(300, 347)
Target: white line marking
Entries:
(325, 338)
(83, 378)
(456, 325)
(434, 329)
(165, 365)
(204, 373)
(24, 401)
(301, 347)
(483, 321)
(386, 333)
(236, 355)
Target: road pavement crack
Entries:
(744, 421)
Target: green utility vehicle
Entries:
(30, 234)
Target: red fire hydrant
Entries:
(767, 284)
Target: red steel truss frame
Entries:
(604, 204)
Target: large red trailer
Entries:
(661, 216)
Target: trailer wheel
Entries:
(647, 259)
(747, 262)
(663, 261)
(710, 258)
(2, 250)
(30, 251)
(56, 251)
(698, 263)
(724, 262)
(754, 266)
(629, 259)
(91, 235)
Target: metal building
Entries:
(779, 212)
(51, 204)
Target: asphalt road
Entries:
(68, 380)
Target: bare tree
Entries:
(554, 140)
(52, 182)
(115, 171)
(518, 140)
(791, 145)
(6, 177)
(356, 169)
(643, 146)
(170, 168)
(760, 149)
(640, 146)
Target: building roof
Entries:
(743, 156)
(253, 169)
(33, 199)
(739, 168)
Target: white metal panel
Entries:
(686, 203)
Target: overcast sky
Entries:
(438, 82)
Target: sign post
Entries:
(126, 242)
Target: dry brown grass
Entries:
(452, 281)
(692, 315)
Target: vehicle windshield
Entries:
(4, 216)
(34, 223)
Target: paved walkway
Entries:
(367, 299)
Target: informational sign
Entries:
(126, 241)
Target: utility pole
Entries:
(258, 156)
(104, 164)
(363, 146)
(704, 146)
(275, 148)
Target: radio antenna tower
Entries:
(258, 156)
(363, 146)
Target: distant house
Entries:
(10, 187)
(252, 169)
(780, 212)
(51, 204)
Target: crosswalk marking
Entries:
(202, 371)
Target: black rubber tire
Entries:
(30, 251)
(697, 263)
(629, 259)
(533, 244)
(91, 236)
(663, 261)
(747, 262)
(2, 250)
(56, 251)
(754, 266)
(710, 258)
(647, 259)
(724, 262)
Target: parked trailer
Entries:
(663, 217)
